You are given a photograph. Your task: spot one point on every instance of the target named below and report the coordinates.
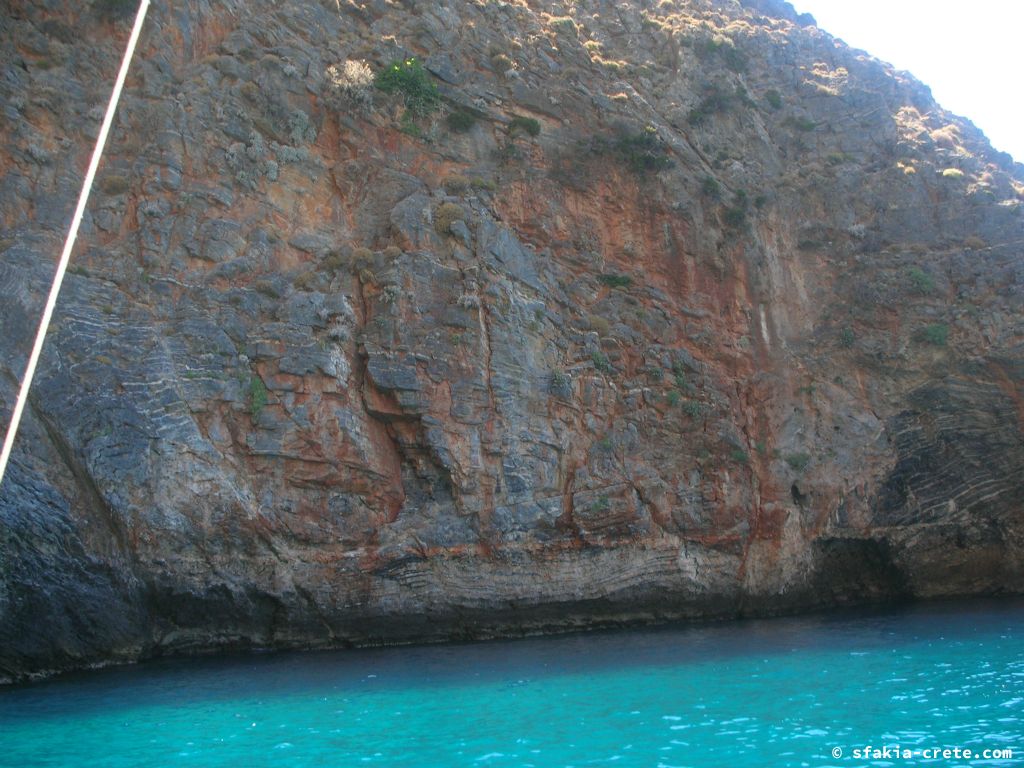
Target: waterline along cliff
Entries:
(400, 321)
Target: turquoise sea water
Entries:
(780, 692)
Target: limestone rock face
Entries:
(656, 310)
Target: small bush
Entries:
(952, 173)
(735, 216)
(774, 99)
(974, 243)
(560, 382)
(114, 185)
(413, 82)
(445, 215)
(564, 25)
(710, 188)
(349, 83)
(615, 281)
(461, 120)
(936, 334)
(525, 125)
(601, 361)
(307, 281)
(643, 151)
(679, 376)
(920, 281)
(489, 185)
(693, 409)
(456, 184)
(268, 289)
(846, 337)
(798, 461)
(257, 396)
(739, 455)
(362, 257)
(599, 324)
(501, 63)
(673, 398)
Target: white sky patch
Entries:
(969, 54)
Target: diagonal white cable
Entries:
(65, 256)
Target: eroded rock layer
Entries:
(649, 310)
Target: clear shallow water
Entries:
(781, 692)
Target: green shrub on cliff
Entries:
(413, 82)
(920, 281)
(601, 361)
(936, 334)
(461, 120)
(524, 124)
(642, 151)
(615, 281)
(257, 396)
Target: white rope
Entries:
(65, 256)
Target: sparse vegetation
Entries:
(642, 151)
(798, 461)
(714, 101)
(804, 124)
(739, 455)
(113, 10)
(725, 48)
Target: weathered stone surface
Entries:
(739, 331)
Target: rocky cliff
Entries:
(397, 321)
